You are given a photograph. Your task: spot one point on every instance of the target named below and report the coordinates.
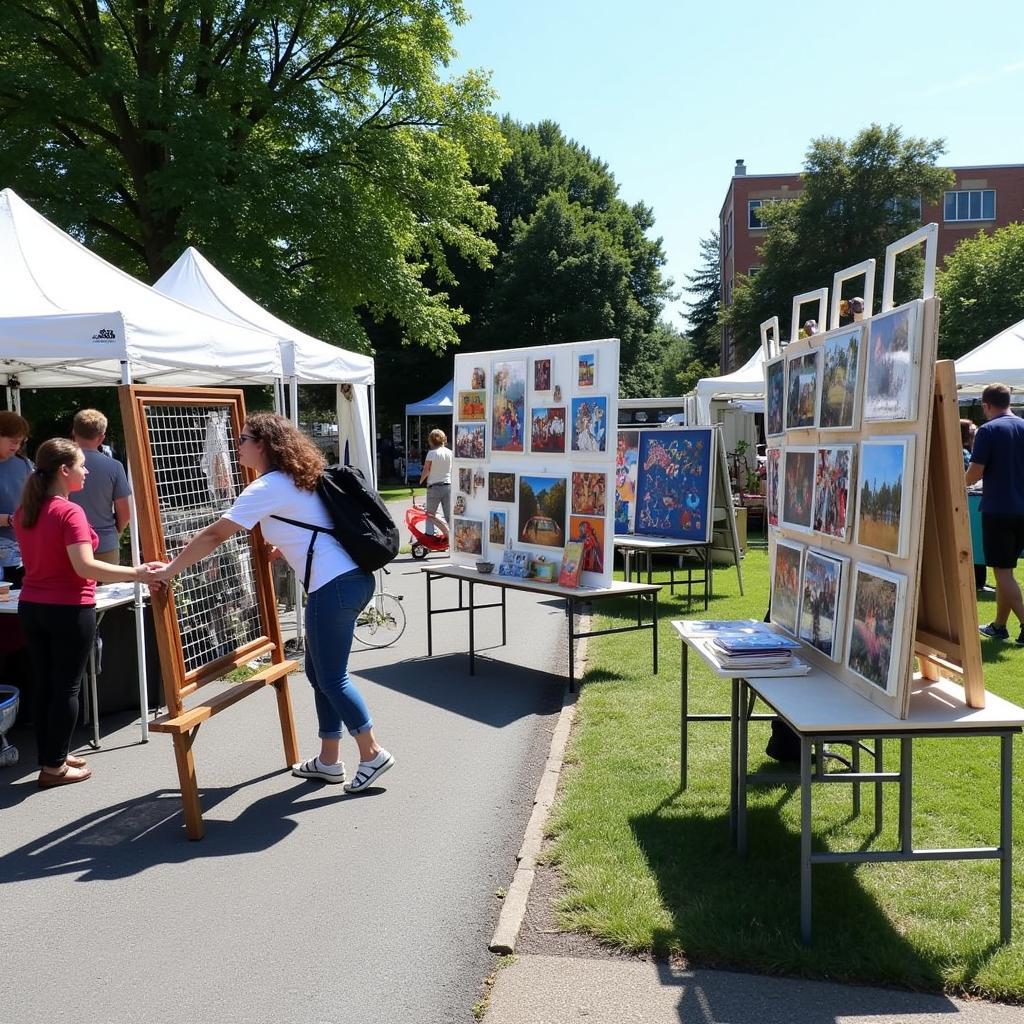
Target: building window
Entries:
(754, 213)
(751, 271)
(896, 207)
(728, 233)
(970, 204)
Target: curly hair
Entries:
(287, 449)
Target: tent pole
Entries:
(293, 395)
(373, 437)
(14, 402)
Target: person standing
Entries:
(15, 469)
(437, 475)
(997, 460)
(106, 497)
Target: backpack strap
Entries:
(317, 530)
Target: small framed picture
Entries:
(833, 476)
(822, 592)
(542, 375)
(775, 397)
(469, 535)
(588, 494)
(872, 651)
(465, 480)
(797, 506)
(590, 424)
(884, 494)
(500, 486)
(893, 364)
(473, 406)
(497, 524)
(586, 369)
(785, 602)
(547, 429)
(840, 381)
(470, 441)
(802, 396)
(478, 378)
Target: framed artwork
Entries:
(500, 486)
(822, 623)
(833, 474)
(588, 494)
(508, 406)
(590, 424)
(473, 406)
(478, 379)
(840, 377)
(674, 478)
(542, 375)
(465, 480)
(470, 441)
(785, 602)
(775, 397)
(544, 569)
(589, 532)
(883, 495)
(891, 380)
(547, 429)
(627, 453)
(542, 510)
(572, 564)
(515, 563)
(469, 535)
(479, 480)
(797, 508)
(586, 369)
(802, 399)
(876, 627)
(772, 486)
(497, 522)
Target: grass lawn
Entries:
(399, 492)
(649, 868)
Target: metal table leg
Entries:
(734, 714)
(472, 617)
(430, 618)
(805, 840)
(571, 601)
(906, 785)
(1005, 836)
(684, 713)
(741, 776)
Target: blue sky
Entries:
(670, 94)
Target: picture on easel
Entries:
(798, 488)
(786, 585)
(775, 397)
(802, 399)
(674, 483)
(627, 454)
(832, 480)
(772, 485)
(875, 635)
(884, 494)
(821, 603)
(890, 388)
(840, 376)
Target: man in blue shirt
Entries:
(997, 459)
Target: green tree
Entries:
(857, 197)
(702, 315)
(310, 149)
(982, 289)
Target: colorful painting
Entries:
(772, 486)
(883, 498)
(775, 397)
(547, 429)
(803, 390)
(542, 375)
(496, 526)
(627, 454)
(473, 406)
(479, 480)
(798, 488)
(478, 379)
(465, 480)
(515, 563)
(821, 625)
(588, 494)
(542, 510)
(875, 633)
(469, 535)
(839, 376)
(589, 531)
(785, 601)
(572, 559)
(890, 387)
(501, 486)
(833, 469)
(586, 365)
(590, 424)
(508, 406)
(470, 442)
(674, 484)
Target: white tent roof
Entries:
(193, 279)
(1000, 360)
(746, 382)
(440, 403)
(68, 318)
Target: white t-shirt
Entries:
(274, 494)
(440, 462)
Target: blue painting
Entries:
(674, 484)
(590, 424)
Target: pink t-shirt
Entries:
(50, 578)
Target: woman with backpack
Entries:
(289, 466)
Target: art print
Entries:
(473, 406)
(547, 429)
(890, 385)
(497, 523)
(883, 497)
(821, 595)
(470, 442)
(839, 378)
(572, 564)
(802, 401)
(542, 375)
(586, 370)
(588, 494)
(627, 454)
(833, 469)
(775, 397)
(542, 510)
(478, 379)
(785, 601)
(515, 564)
(465, 480)
(873, 649)
(589, 531)
(501, 486)
(469, 535)
(797, 509)
(508, 406)
(479, 480)
(590, 424)
(772, 485)
(674, 484)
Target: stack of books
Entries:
(753, 649)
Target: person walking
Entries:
(997, 460)
(15, 469)
(437, 475)
(289, 466)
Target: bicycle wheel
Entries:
(382, 621)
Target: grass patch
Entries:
(400, 492)
(648, 868)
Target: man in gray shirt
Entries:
(104, 498)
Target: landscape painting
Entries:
(802, 402)
(627, 454)
(590, 424)
(501, 486)
(473, 406)
(785, 600)
(588, 494)
(674, 484)
(586, 370)
(883, 512)
(470, 442)
(542, 502)
(839, 375)
(798, 488)
(469, 536)
(874, 632)
(775, 397)
(772, 486)
(547, 429)
(890, 386)
(820, 603)
(508, 406)
(832, 477)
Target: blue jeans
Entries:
(331, 615)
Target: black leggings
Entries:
(60, 637)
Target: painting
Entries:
(588, 494)
(785, 601)
(470, 442)
(497, 522)
(547, 429)
(883, 497)
(479, 480)
(875, 632)
(465, 480)
(542, 375)
(473, 406)
(772, 486)
(802, 400)
(469, 535)
(515, 563)
(839, 378)
(797, 509)
(478, 379)
(890, 385)
(775, 396)
(572, 564)
(589, 531)
(627, 454)
(542, 510)
(821, 596)
(590, 424)
(586, 369)
(501, 486)
(674, 484)
(833, 470)
(508, 406)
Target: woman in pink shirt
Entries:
(57, 607)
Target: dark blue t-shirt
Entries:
(999, 447)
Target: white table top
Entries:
(702, 645)
(110, 595)
(639, 543)
(616, 588)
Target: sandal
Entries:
(368, 771)
(66, 776)
(315, 769)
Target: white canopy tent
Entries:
(745, 383)
(440, 403)
(1000, 360)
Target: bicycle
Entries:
(382, 621)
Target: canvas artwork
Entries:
(586, 370)
(821, 624)
(590, 424)
(890, 385)
(515, 563)
(501, 486)
(466, 480)
(833, 469)
(785, 602)
(572, 564)
(470, 442)
(588, 494)
(674, 484)
(542, 375)
(874, 645)
(627, 453)
(508, 406)
(883, 498)
(802, 401)
(839, 375)
(469, 535)
(775, 397)
(547, 429)
(772, 486)
(478, 379)
(479, 480)
(797, 508)
(544, 569)
(496, 526)
(589, 531)
(542, 510)
(473, 406)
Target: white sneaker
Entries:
(314, 768)
(369, 771)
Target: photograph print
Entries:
(496, 524)
(785, 601)
(470, 442)
(478, 379)
(547, 429)
(674, 484)
(627, 453)
(890, 383)
(883, 496)
(833, 469)
(821, 596)
(469, 535)
(802, 401)
(839, 375)
(775, 397)
(465, 480)
(772, 485)
(508, 406)
(586, 369)
(797, 481)
(588, 494)
(873, 649)
(542, 375)
(542, 510)
(473, 406)
(501, 486)
(590, 424)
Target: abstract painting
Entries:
(674, 484)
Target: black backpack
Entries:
(362, 524)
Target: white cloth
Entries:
(440, 462)
(274, 494)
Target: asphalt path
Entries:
(301, 904)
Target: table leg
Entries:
(906, 794)
(504, 632)
(734, 713)
(1005, 836)
(472, 617)
(94, 698)
(650, 564)
(707, 576)
(654, 631)
(430, 618)
(684, 712)
(879, 762)
(805, 840)
(855, 766)
(741, 776)
(571, 602)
